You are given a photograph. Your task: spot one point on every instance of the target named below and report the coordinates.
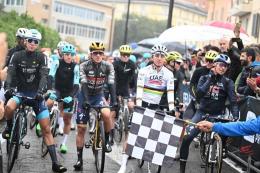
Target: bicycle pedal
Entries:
(27, 145)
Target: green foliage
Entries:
(11, 21)
(139, 28)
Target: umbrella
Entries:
(149, 42)
(225, 25)
(201, 33)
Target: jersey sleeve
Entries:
(43, 73)
(170, 91)
(111, 75)
(11, 72)
(140, 87)
(83, 76)
(76, 75)
(53, 67)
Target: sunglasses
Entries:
(179, 63)
(98, 53)
(209, 61)
(33, 41)
(221, 64)
(125, 54)
(67, 54)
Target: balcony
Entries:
(241, 8)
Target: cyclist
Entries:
(146, 59)
(29, 69)
(20, 39)
(124, 73)
(212, 91)
(55, 58)
(93, 74)
(152, 82)
(201, 71)
(64, 79)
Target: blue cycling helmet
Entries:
(132, 58)
(222, 58)
(147, 55)
(68, 48)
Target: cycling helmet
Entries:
(97, 46)
(21, 32)
(174, 56)
(33, 34)
(211, 55)
(159, 49)
(61, 44)
(68, 48)
(147, 55)
(125, 49)
(132, 58)
(222, 58)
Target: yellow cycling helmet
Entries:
(174, 56)
(97, 46)
(211, 55)
(125, 49)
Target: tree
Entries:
(11, 21)
(139, 28)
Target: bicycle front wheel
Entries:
(99, 147)
(214, 155)
(54, 118)
(118, 130)
(126, 120)
(14, 143)
(203, 143)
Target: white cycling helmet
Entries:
(61, 44)
(159, 49)
(33, 34)
(223, 58)
(21, 32)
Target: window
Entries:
(14, 2)
(84, 13)
(70, 28)
(45, 6)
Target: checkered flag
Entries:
(154, 136)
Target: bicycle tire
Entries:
(14, 143)
(99, 153)
(54, 123)
(203, 144)
(140, 163)
(126, 120)
(32, 120)
(118, 130)
(216, 144)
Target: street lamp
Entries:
(126, 22)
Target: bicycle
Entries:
(18, 132)
(54, 114)
(122, 122)
(211, 147)
(97, 139)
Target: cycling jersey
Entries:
(66, 77)
(124, 73)
(201, 71)
(27, 71)
(213, 92)
(93, 77)
(151, 85)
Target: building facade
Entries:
(248, 13)
(83, 20)
(184, 12)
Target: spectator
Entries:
(243, 88)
